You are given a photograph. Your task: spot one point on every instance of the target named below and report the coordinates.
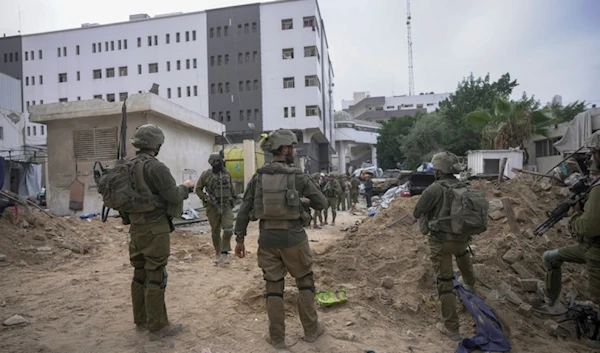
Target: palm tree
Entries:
(510, 124)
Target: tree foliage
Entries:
(562, 113)
(389, 141)
(425, 138)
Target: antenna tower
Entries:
(411, 74)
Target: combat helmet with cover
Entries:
(277, 138)
(464, 209)
(123, 187)
(215, 156)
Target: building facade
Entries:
(380, 109)
(254, 68)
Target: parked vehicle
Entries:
(388, 179)
(419, 181)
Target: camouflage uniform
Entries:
(149, 246)
(354, 190)
(341, 205)
(283, 245)
(332, 191)
(220, 216)
(443, 246)
(317, 214)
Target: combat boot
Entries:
(553, 308)
(169, 330)
(453, 335)
(311, 337)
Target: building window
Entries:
(27, 80)
(256, 88)
(254, 56)
(240, 58)
(288, 53)
(196, 90)
(219, 60)
(227, 87)
(226, 59)
(178, 64)
(179, 92)
(248, 86)
(228, 115)
(225, 31)
(98, 96)
(96, 143)
(221, 116)
(58, 49)
(100, 47)
(310, 51)
(112, 45)
(288, 82)
(254, 27)
(212, 60)
(167, 38)
(33, 80)
(239, 29)
(93, 47)
(62, 77)
(195, 63)
(309, 22)
(187, 64)
(149, 41)
(241, 86)
(155, 40)
(187, 36)
(249, 114)
(62, 100)
(106, 46)
(313, 110)
(26, 56)
(168, 66)
(153, 68)
(77, 50)
(17, 56)
(124, 43)
(256, 114)
(139, 69)
(139, 42)
(193, 35)
(293, 112)
(213, 115)
(168, 93)
(312, 81)
(119, 44)
(78, 76)
(110, 97)
(42, 79)
(123, 96)
(246, 28)
(287, 24)
(110, 72)
(218, 32)
(213, 89)
(29, 130)
(39, 55)
(123, 71)
(241, 115)
(211, 32)
(545, 148)
(189, 91)
(285, 112)
(177, 37)
(247, 57)
(220, 88)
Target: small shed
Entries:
(82, 132)
(488, 162)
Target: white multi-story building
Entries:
(254, 68)
(379, 109)
(11, 118)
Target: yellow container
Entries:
(234, 161)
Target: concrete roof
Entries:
(144, 102)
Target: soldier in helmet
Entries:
(332, 191)
(218, 198)
(149, 246)
(274, 196)
(442, 246)
(317, 213)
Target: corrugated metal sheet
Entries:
(10, 93)
(477, 160)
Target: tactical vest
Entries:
(276, 200)
(329, 189)
(220, 185)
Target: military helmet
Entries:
(446, 162)
(148, 136)
(593, 167)
(278, 138)
(215, 156)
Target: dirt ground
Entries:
(77, 298)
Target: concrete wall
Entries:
(10, 93)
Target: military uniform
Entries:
(317, 214)
(332, 191)
(283, 243)
(219, 184)
(341, 206)
(443, 246)
(354, 190)
(149, 247)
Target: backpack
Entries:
(123, 187)
(275, 195)
(464, 210)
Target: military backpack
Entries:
(276, 197)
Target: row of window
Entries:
(310, 51)
(244, 114)
(33, 129)
(97, 47)
(309, 81)
(248, 86)
(12, 57)
(188, 91)
(308, 22)
(32, 80)
(215, 32)
(224, 59)
(309, 110)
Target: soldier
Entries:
(274, 195)
(368, 189)
(149, 246)
(341, 205)
(583, 224)
(218, 200)
(443, 246)
(332, 191)
(354, 189)
(317, 213)
(346, 196)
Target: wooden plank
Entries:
(540, 175)
(510, 216)
(502, 167)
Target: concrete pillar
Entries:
(374, 155)
(341, 157)
(249, 161)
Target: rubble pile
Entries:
(385, 265)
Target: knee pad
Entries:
(228, 232)
(551, 259)
(139, 275)
(306, 283)
(275, 288)
(445, 285)
(157, 277)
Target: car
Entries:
(419, 181)
(388, 179)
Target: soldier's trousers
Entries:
(331, 203)
(275, 264)
(343, 203)
(149, 249)
(580, 254)
(319, 215)
(222, 221)
(353, 197)
(441, 254)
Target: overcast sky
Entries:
(550, 46)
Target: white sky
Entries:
(550, 46)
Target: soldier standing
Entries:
(215, 189)
(442, 246)
(274, 195)
(149, 246)
(341, 205)
(317, 213)
(332, 191)
(354, 190)
(368, 189)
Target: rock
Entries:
(545, 186)
(546, 239)
(529, 233)
(409, 333)
(172, 258)
(564, 222)
(48, 229)
(349, 323)
(528, 285)
(2, 258)
(15, 320)
(557, 330)
(188, 258)
(39, 237)
(387, 283)
(25, 224)
(497, 193)
(119, 228)
(513, 255)
(496, 205)
(350, 336)
(524, 309)
(44, 250)
(521, 270)
(564, 192)
(496, 215)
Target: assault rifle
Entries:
(584, 318)
(212, 199)
(578, 192)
